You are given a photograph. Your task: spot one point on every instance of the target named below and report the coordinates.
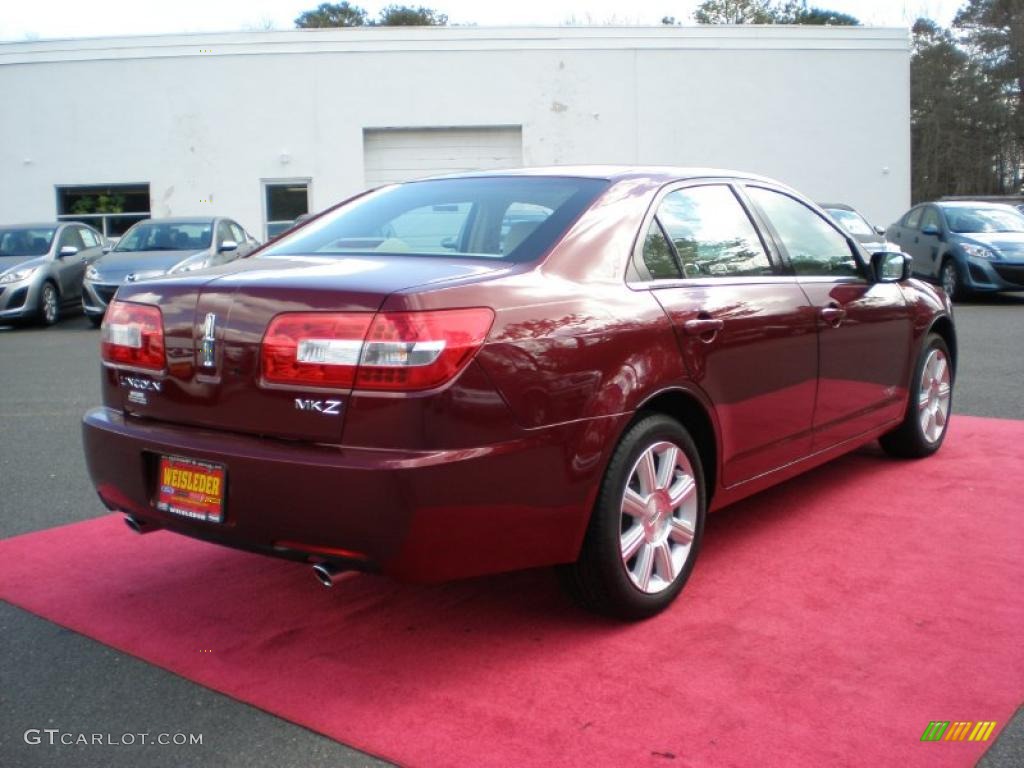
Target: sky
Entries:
(44, 19)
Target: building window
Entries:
(284, 201)
(109, 208)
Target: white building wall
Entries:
(203, 118)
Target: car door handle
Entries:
(833, 314)
(705, 327)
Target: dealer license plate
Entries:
(191, 488)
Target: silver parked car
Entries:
(42, 266)
(162, 246)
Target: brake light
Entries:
(133, 336)
(389, 351)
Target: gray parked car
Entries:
(162, 246)
(854, 222)
(41, 268)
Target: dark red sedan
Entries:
(487, 372)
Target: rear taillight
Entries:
(133, 336)
(387, 351)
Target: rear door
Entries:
(864, 327)
(745, 330)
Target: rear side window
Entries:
(658, 256)
(712, 234)
(515, 218)
(815, 247)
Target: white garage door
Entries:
(401, 154)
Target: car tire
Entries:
(929, 406)
(952, 280)
(95, 320)
(49, 304)
(647, 524)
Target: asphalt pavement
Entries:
(51, 677)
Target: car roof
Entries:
(37, 224)
(970, 204)
(182, 220)
(654, 173)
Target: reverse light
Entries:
(133, 336)
(393, 351)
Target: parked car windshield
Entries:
(967, 220)
(851, 221)
(167, 236)
(25, 241)
(516, 218)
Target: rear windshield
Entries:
(851, 221)
(26, 242)
(514, 218)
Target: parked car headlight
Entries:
(16, 275)
(979, 251)
(145, 274)
(92, 274)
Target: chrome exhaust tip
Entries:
(328, 574)
(138, 525)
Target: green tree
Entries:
(766, 12)
(799, 13)
(959, 121)
(409, 16)
(332, 15)
(735, 12)
(993, 31)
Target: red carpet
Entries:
(827, 622)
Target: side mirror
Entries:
(879, 230)
(931, 229)
(227, 245)
(66, 250)
(890, 266)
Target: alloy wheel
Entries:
(950, 279)
(658, 517)
(50, 306)
(934, 395)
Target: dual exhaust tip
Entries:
(327, 574)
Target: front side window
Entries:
(72, 237)
(913, 218)
(514, 218)
(712, 234)
(89, 237)
(931, 219)
(815, 247)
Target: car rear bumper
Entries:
(423, 516)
